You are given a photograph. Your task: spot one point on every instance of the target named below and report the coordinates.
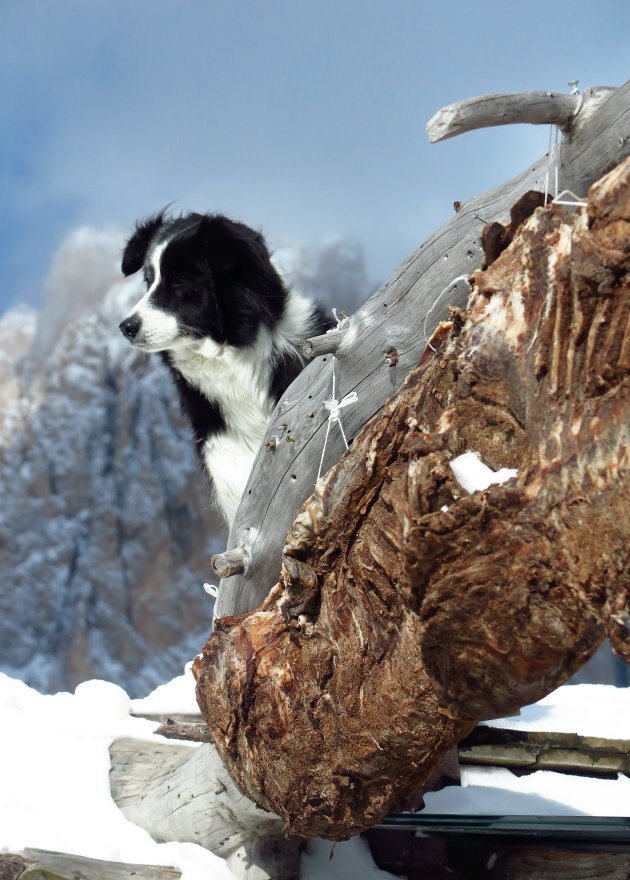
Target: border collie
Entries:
(227, 327)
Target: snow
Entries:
(498, 791)
(323, 860)
(585, 709)
(54, 766)
(176, 697)
(475, 476)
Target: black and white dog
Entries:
(228, 328)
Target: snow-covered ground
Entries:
(54, 767)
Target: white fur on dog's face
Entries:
(158, 331)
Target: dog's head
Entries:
(209, 282)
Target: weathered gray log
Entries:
(399, 316)
(536, 108)
(141, 784)
(41, 864)
(179, 793)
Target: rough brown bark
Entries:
(408, 609)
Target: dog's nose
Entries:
(130, 326)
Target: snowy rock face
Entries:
(106, 523)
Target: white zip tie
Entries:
(211, 590)
(334, 408)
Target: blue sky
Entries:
(306, 119)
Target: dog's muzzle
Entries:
(130, 326)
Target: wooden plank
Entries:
(41, 864)
(399, 316)
(537, 750)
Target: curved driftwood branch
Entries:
(536, 108)
(397, 317)
(408, 608)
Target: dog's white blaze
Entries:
(159, 330)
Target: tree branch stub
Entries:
(230, 562)
(327, 343)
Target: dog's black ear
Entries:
(138, 245)
(232, 247)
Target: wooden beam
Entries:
(202, 806)
(400, 316)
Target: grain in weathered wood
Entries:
(185, 793)
(498, 747)
(398, 316)
(406, 607)
(179, 793)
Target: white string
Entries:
(211, 590)
(548, 163)
(334, 408)
(436, 301)
(341, 322)
(556, 155)
(577, 203)
(553, 153)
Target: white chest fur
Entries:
(238, 381)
